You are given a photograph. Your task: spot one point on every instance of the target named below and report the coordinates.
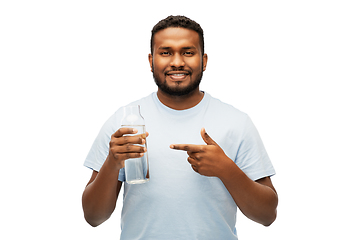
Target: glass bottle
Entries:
(136, 169)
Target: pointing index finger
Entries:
(187, 147)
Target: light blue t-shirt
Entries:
(177, 202)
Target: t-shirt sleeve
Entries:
(100, 148)
(252, 157)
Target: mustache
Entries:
(181, 69)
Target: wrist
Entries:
(227, 168)
(114, 164)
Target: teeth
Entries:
(181, 74)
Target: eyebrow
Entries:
(185, 48)
(189, 48)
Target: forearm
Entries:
(100, 196)
(256, 201)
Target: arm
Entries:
(101, 193)
(256, 200)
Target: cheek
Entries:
(194, 63)
(160, 63)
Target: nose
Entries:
(177, 61)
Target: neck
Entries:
(181, 102)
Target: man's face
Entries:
(177, 62)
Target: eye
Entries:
(188, 54)
(165, 53)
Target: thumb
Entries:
(207, 139)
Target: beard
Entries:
(178, 90)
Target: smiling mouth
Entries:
(177, 76)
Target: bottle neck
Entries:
(132, 116)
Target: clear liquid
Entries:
(137, 169)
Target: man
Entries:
(205, 157)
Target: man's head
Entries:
(177, 56)
(178, 21)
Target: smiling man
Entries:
(206, 158)
(179, 61)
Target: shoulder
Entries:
(226, 110)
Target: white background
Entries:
(293, 66)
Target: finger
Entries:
(128, 148)
(195, 168)
(126, 140)
(187, 147)
(138, 139)
(121, 131)
(125, 156)
(192, 161)
(195, 155)
(207, 139)
(125, 153)
(143, 135)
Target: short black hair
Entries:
(178, 21)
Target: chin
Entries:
(177, 90)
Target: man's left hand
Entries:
(208, 160)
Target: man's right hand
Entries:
(122, 146)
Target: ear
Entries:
(151, 61)
(205, 59)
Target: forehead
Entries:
(175, 37)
